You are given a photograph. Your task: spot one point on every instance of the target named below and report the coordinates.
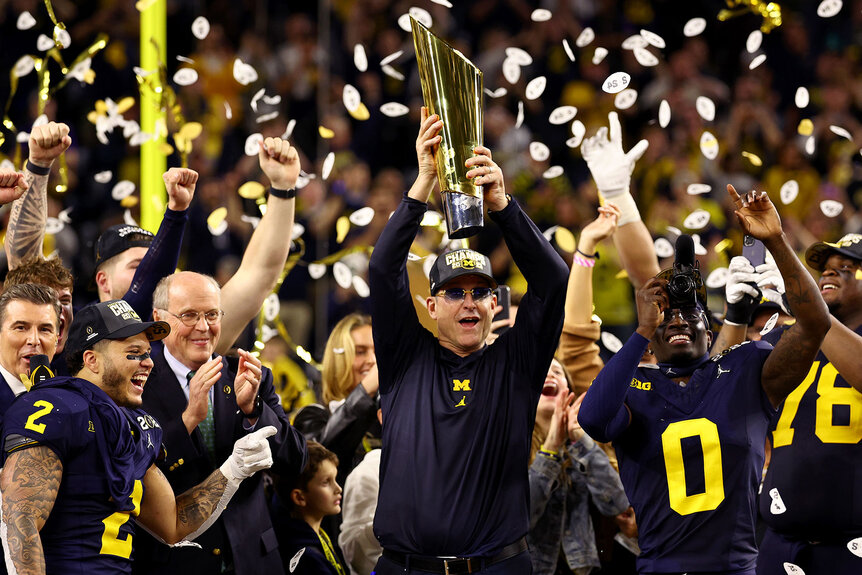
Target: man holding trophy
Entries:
(454, 493)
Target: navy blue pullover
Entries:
(456, 430)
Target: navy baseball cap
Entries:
(114, 319)
(849, 246)
(117, 239)
(459, 263)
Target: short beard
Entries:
(113, 382)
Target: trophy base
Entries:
(464, 214)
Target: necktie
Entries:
(206, 427)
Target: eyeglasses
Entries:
(458, 294)
(692, 315)
(191, 318)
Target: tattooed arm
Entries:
(29, 482)
(26, 227)
(789, 362)
(190, 514)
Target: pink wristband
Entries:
(584, 262)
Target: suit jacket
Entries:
(243, 534)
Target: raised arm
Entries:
(791, 359)
(26, 228)
(29, 482)
(243, 295)
(174, 518)
(12, 186)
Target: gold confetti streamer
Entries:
(770, 11)
(753, 158)
(342, 226)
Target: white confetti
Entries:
(839, 131)
(228, 112)
(219, 229)
(394, 109)
(694, 27)
(578, 131)
(855, 546)
(103, 177)
(705, 108)
(63, 37)
(645, 57)
(256, 98)
(362, 216)
(663, 114)
(272, 100)
(810, 146)
(256, 221)
(266, 117)
(288, 131)
(562, 115)
(22, 137)
(553, 172)
(770, 323)
(654, 39)
(498, 93)
(79, 71)
(316, 271)
(708, 145)
(519, 55)
(758, 60)
(327, 165)
(64, 216)
(24, 66)
(829, 8)
(539, 151)
(53, 226)
(122, 189)
(140, 138)
(633, 42)
(141, 72)
(252, 144)
(696, 220)
(696, 189)
(511, 71)
(360, 59)
(343, 275)
(611, 342)
(755, 39)
(128, 219)
(625, 99)
(361, 287)
(802, 97)
(599, 55)
(7, 165)
(420, 14)
(536, 87)
(831, 208)
(44, 43)
(663, 248)
(568, 50)
(789, 191)
(520, 119)
(541, 15)
(391, 58)
(793, 569)
(717, 278)
(431, 219)
(25, 21)
(698, 247)
(244, 73)
(445, 3)
(585, 37)
(200, 28)
(184, 59)
(271, 306)
(392, 72)
(351, 98)
(296, 232)
(616, 82)
(186, 76)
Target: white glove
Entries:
(739, 283)
(250, 455)
(610, 167)
(770, 281)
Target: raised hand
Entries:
(47, 142)
(247, 381)
(280, 162)
(199, 389)
(180, 184)
(652, 301)
(12, 186)
(610, 166)
(756, 214)
(600, 228)
(557, 430)
(489, 176)
(573, 427)
(426, 143)
(250, 455)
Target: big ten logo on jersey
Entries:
(466, 259)
(638, 384)
(123, 310)
(461, 385)
(147, 422)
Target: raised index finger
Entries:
(731, 191)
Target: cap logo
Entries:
(123, 310)
(91, 333)
(847, 241)
(465, 259)
(124, 231)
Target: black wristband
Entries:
(594, 256)
(283, 194)
(741, 312)
(258, 409)
(38, 170)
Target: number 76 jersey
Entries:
(691, 461)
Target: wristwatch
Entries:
(258, 409)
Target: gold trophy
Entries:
(452, 89)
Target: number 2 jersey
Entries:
(691, 458)
(105, 451)
(813, 489)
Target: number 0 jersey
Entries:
(691, 460)
(105, 451)
(813, 489)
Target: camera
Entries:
(685, 280)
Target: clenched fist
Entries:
(47, 142)
(180, 183)
(12, 186)
(280, 162)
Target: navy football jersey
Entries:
(104, 449)
(813, 489)
(691, 460)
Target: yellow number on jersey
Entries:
(671, 442)
(31, 421)
(111, 542)
(783, 434)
